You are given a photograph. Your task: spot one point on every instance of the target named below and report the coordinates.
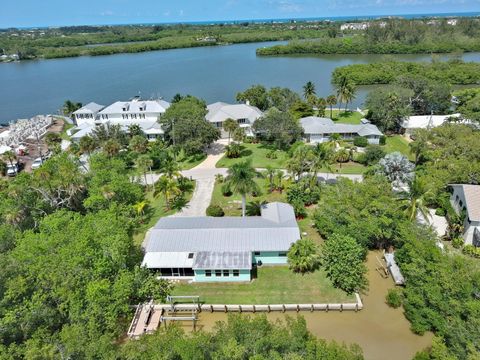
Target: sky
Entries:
(31, 13)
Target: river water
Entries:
(212, 73)
(382, 332)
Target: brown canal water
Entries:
(382, 332)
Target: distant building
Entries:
(465, 200)
(244, 114)
(319, 130)
(425, 122)
(221, 248)
(144, 113)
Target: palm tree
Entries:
(140, 207)
(414, 200)
(69, 107)
(171, 168)
(349, 94)
(87, 144)
(420, 144)
(230, 125)
(254, 208)
(111, 147)
(138, 144)
(334, 141)
(168, 188)
(308, 89)
(270, 173)
(241, 179)
(331, 100)
(143, 164)
(303, 256)
(279, 175)
(134, 129)
(321, 104)
(342, 156)
(322, 159)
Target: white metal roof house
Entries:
(87, 114)
(318, 130)
(465, 198)
(223, 248)
(144, 113)
(244, 114)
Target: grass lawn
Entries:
(189, 162)
(258, 154)
(347, 168)
(155, 210)
(349, 117)
(274, 285)
(397, 143)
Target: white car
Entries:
(12, 169)
(37, 163)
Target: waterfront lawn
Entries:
(273, 285)
(258, 155)
(154, 211)
(348, 117)
(397, 143)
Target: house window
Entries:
(282, 254)
(236, 272)
(226, 273)
(208, 273)
(257, 253)
(242, 121)
(190, 255)
(218, 273)
(460, 203)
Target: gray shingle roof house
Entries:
(244, 114)
(200, 247)
(466, 198)
(318, 130)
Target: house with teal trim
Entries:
(221, 249)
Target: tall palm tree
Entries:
(168, 188)
(321, 104)
(270, 174)
(171, 168)
(308, 89)
(415, 200)
(143, 164)
(230, 125)
(349, 94)
(420, 144)
(322, 159)
(241, 179)
(331, 100)
(340, 86)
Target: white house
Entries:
(425, 122)
(144, 113)
(319, 130)
(87, 114)
(466, 199)
(244, 114)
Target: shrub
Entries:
(458, 242)
(440, 211)
(233, 150)
(373, 154)
(299, 209)
(471, 250)
(360, 141)
(303, 256)
(3, 168)
(226, 190)
(271, 154)
(360, 158)
(248, 140)
(383, 140)
(215, 211)
(394, 298)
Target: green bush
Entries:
(248, 140)
(360, 141)
(394, 298)
(3, 168)
(440, 211)
(360, 158)
(226, 190)
(215, 211)
(458, 242)
(383, 140)
(471, 250)
(373, 154)
(271, 154)
(233, 151)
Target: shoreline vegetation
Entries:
(381, 36)
(454, 72)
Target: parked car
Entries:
(12, 169)
(37, 163)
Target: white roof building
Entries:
(425, 121)
(244, 114)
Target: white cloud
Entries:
(107, 13)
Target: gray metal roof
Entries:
(275, 230)
(220, 111)
(316, 125)
(89, 108)
(204, 260)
